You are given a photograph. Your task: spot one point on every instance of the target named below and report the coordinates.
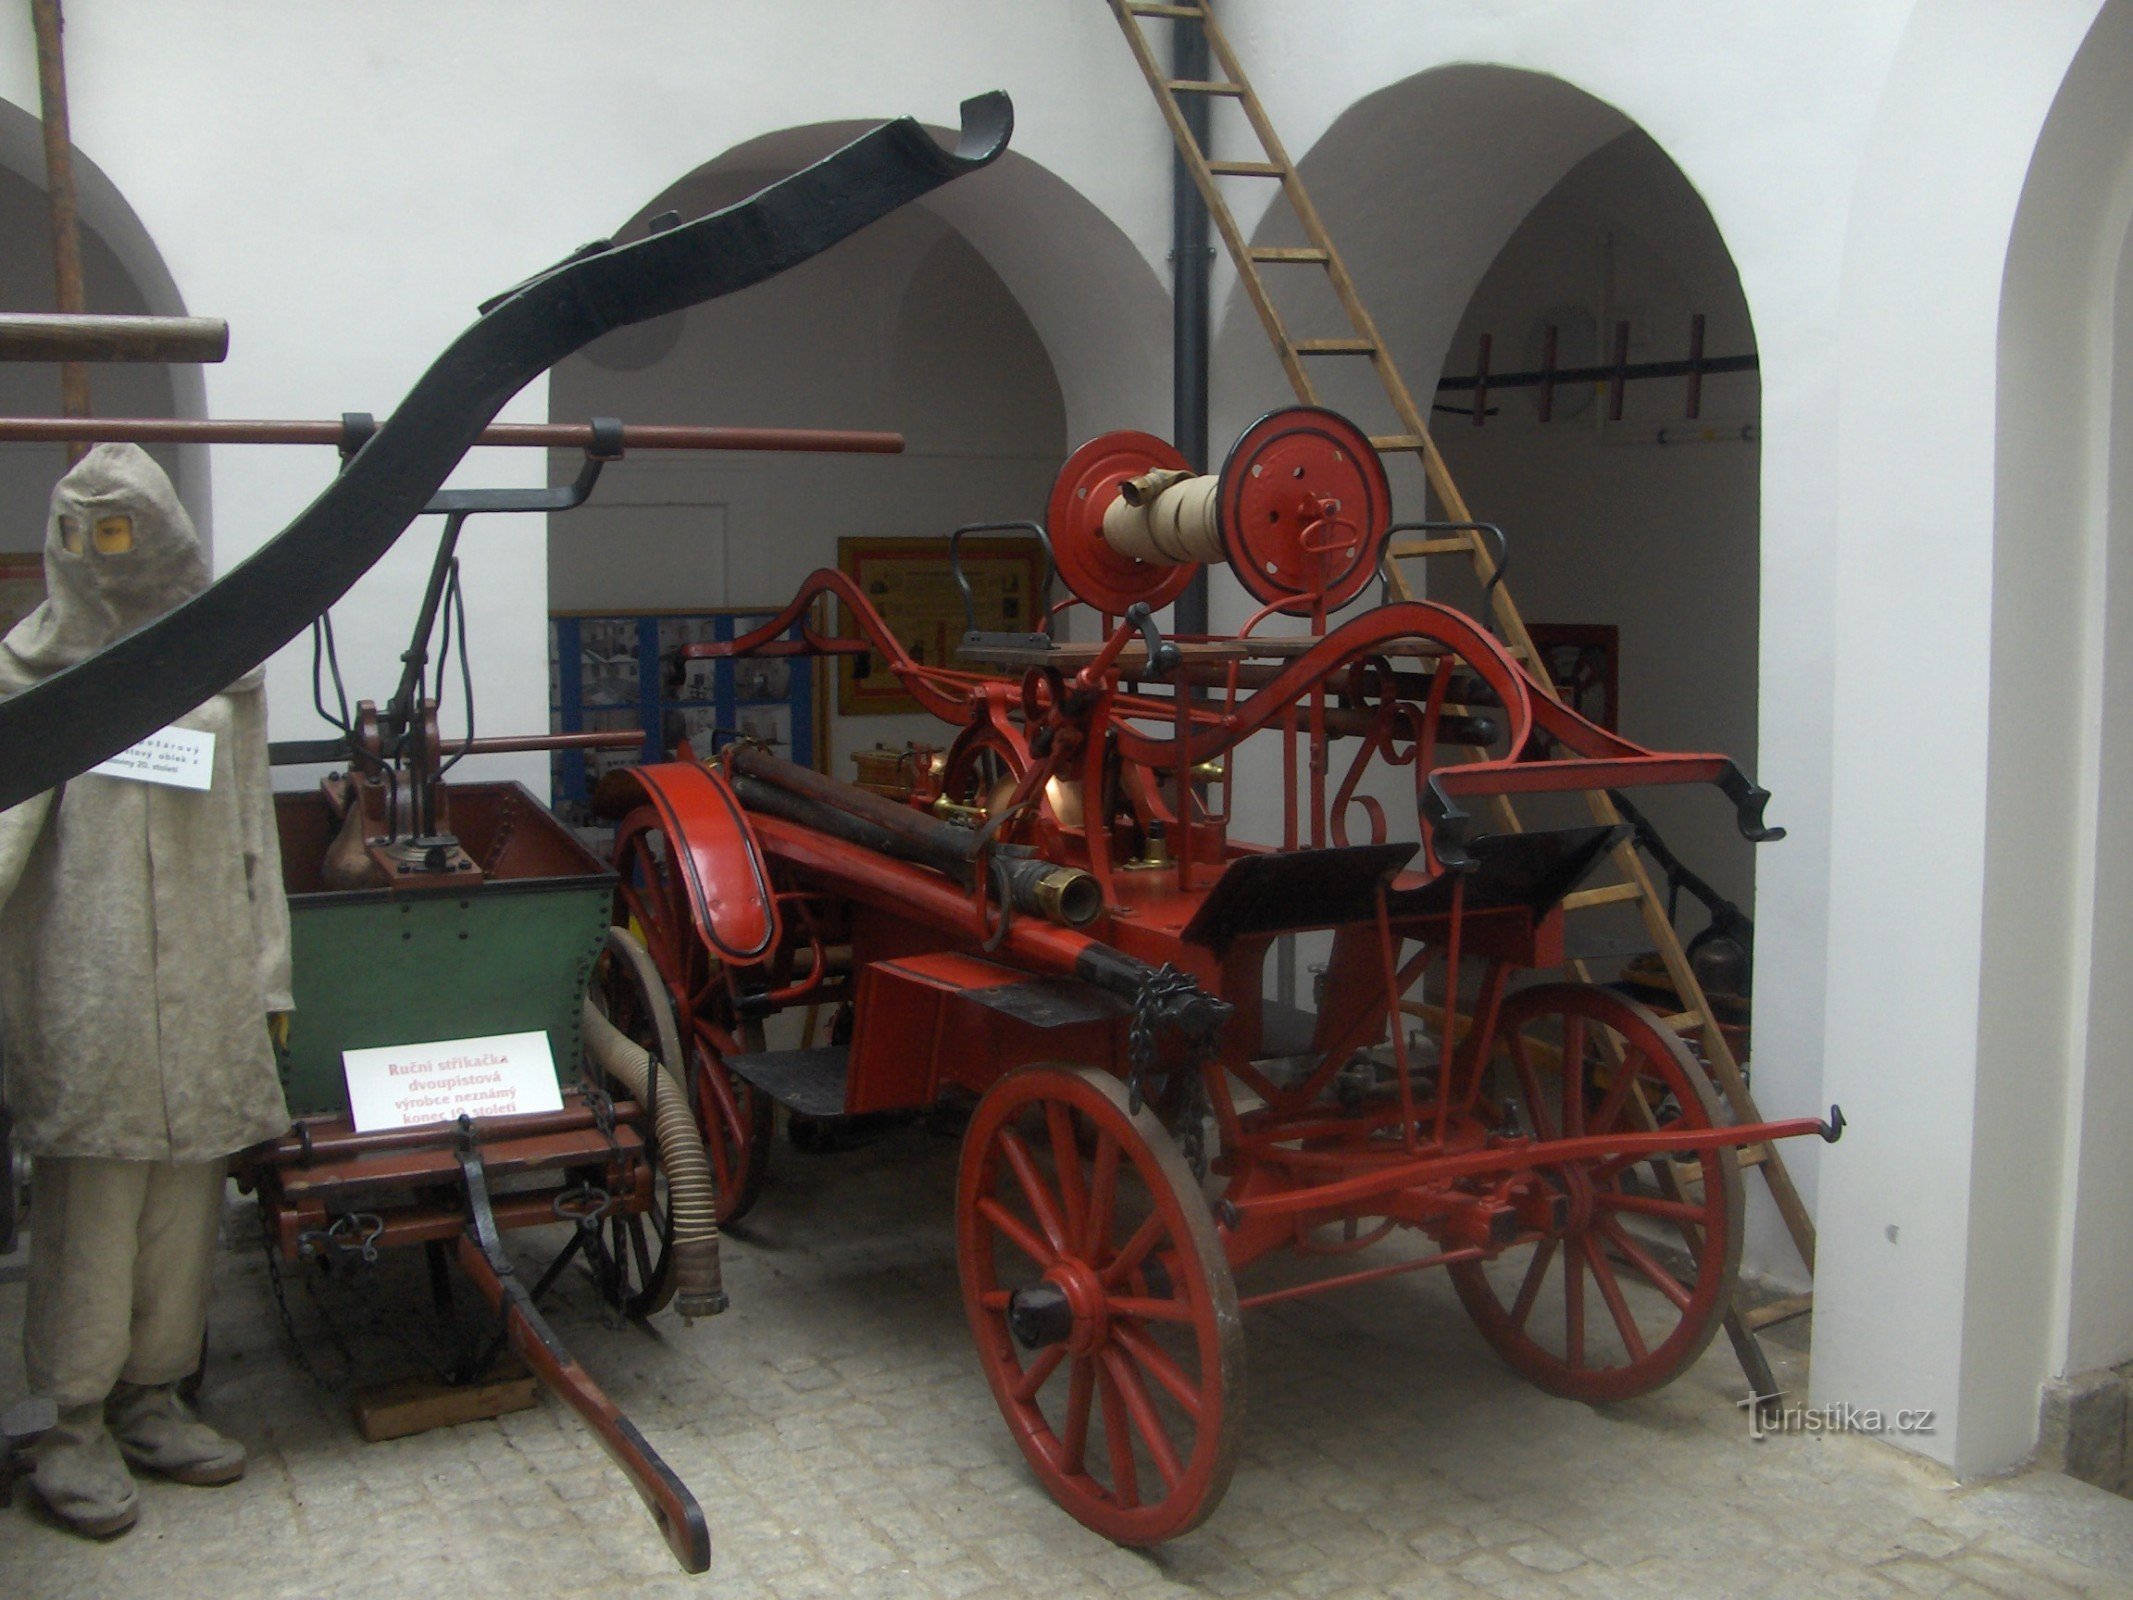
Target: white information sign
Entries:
(399, 1086)
(183, 758)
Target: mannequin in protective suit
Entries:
(144, 945)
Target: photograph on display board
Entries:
(911, 582)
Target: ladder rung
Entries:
(1683, 1019)
(1783, 1309)
(1182, 13)
(1755, 1155)
(1335, 347)
(1383, 442)
(1202, 86)
(1285, 253)
(1607, 895)
(1247, 169)
(1426, 547)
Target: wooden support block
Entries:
(1606, 895)
(417, 1405)
(1783, 1309)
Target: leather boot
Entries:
(80, 1477)
(157, 1430)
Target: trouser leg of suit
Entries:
(121, 1257)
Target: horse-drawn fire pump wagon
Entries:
(1051, 919)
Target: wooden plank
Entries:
(418, 1405)
(1783, 1309)
(1140, 8)
(1409, 549)
(1338, 347)
(1247, 169)
(1606, 895)
(1288, 253)
(1203, 86)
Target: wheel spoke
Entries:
(1118, 1440)
(1529, 1086)
(1536, 1275)
(1103, 1194)
(1573, 1114)
(1157, 1362)
(1640, 1258)
(1611, 1292)
(1573, 1311)
(1038, 1372)
(1149, 1310)
(1651, 1205)
(1017, 1233)
(1074, 1443)
(1066, 1165)
(1041, 1202)
(1610, 1109)
(642, 1252)
(1141, 1410)
(1135, 1250)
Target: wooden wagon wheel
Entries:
(1101, 1301)
(734, 1116)
(631, 1253)
(1624, 1293)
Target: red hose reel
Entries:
(1299, 510)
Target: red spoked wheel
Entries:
(1074, 522)
(1102, 1304)
(1623, 1292)
(736, 1117)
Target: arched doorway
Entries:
(989, 328)
(124, 275)
(2056, 1017)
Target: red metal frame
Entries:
(1556, 1121)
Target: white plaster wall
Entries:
(2055, 1017)
(1936, 1277)
(31, 388)
(905, 329)
(345, 184)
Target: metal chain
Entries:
(1150, 1004)
(281, 1303)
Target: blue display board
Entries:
(621, 670)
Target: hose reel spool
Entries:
(1299, 511)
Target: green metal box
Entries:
(379, 967)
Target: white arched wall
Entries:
(2056, 1012)
(1941, 1212)
(125, 274)
(1423, 183)
(913, 327)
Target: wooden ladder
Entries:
(1633, 884)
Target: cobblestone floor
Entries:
(837, 1429)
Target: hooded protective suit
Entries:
(144, 941)
(144, 936)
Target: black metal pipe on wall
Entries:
(1190, 260)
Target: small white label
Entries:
(401, 1086)
(183, 758)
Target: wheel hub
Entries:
(1067, 1306)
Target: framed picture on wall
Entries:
(21, 588)
(912, 584)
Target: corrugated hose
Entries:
(692, 1195)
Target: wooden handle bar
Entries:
(59, 336)
(543, 435)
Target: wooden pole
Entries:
(46, 336)
(60, 194)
